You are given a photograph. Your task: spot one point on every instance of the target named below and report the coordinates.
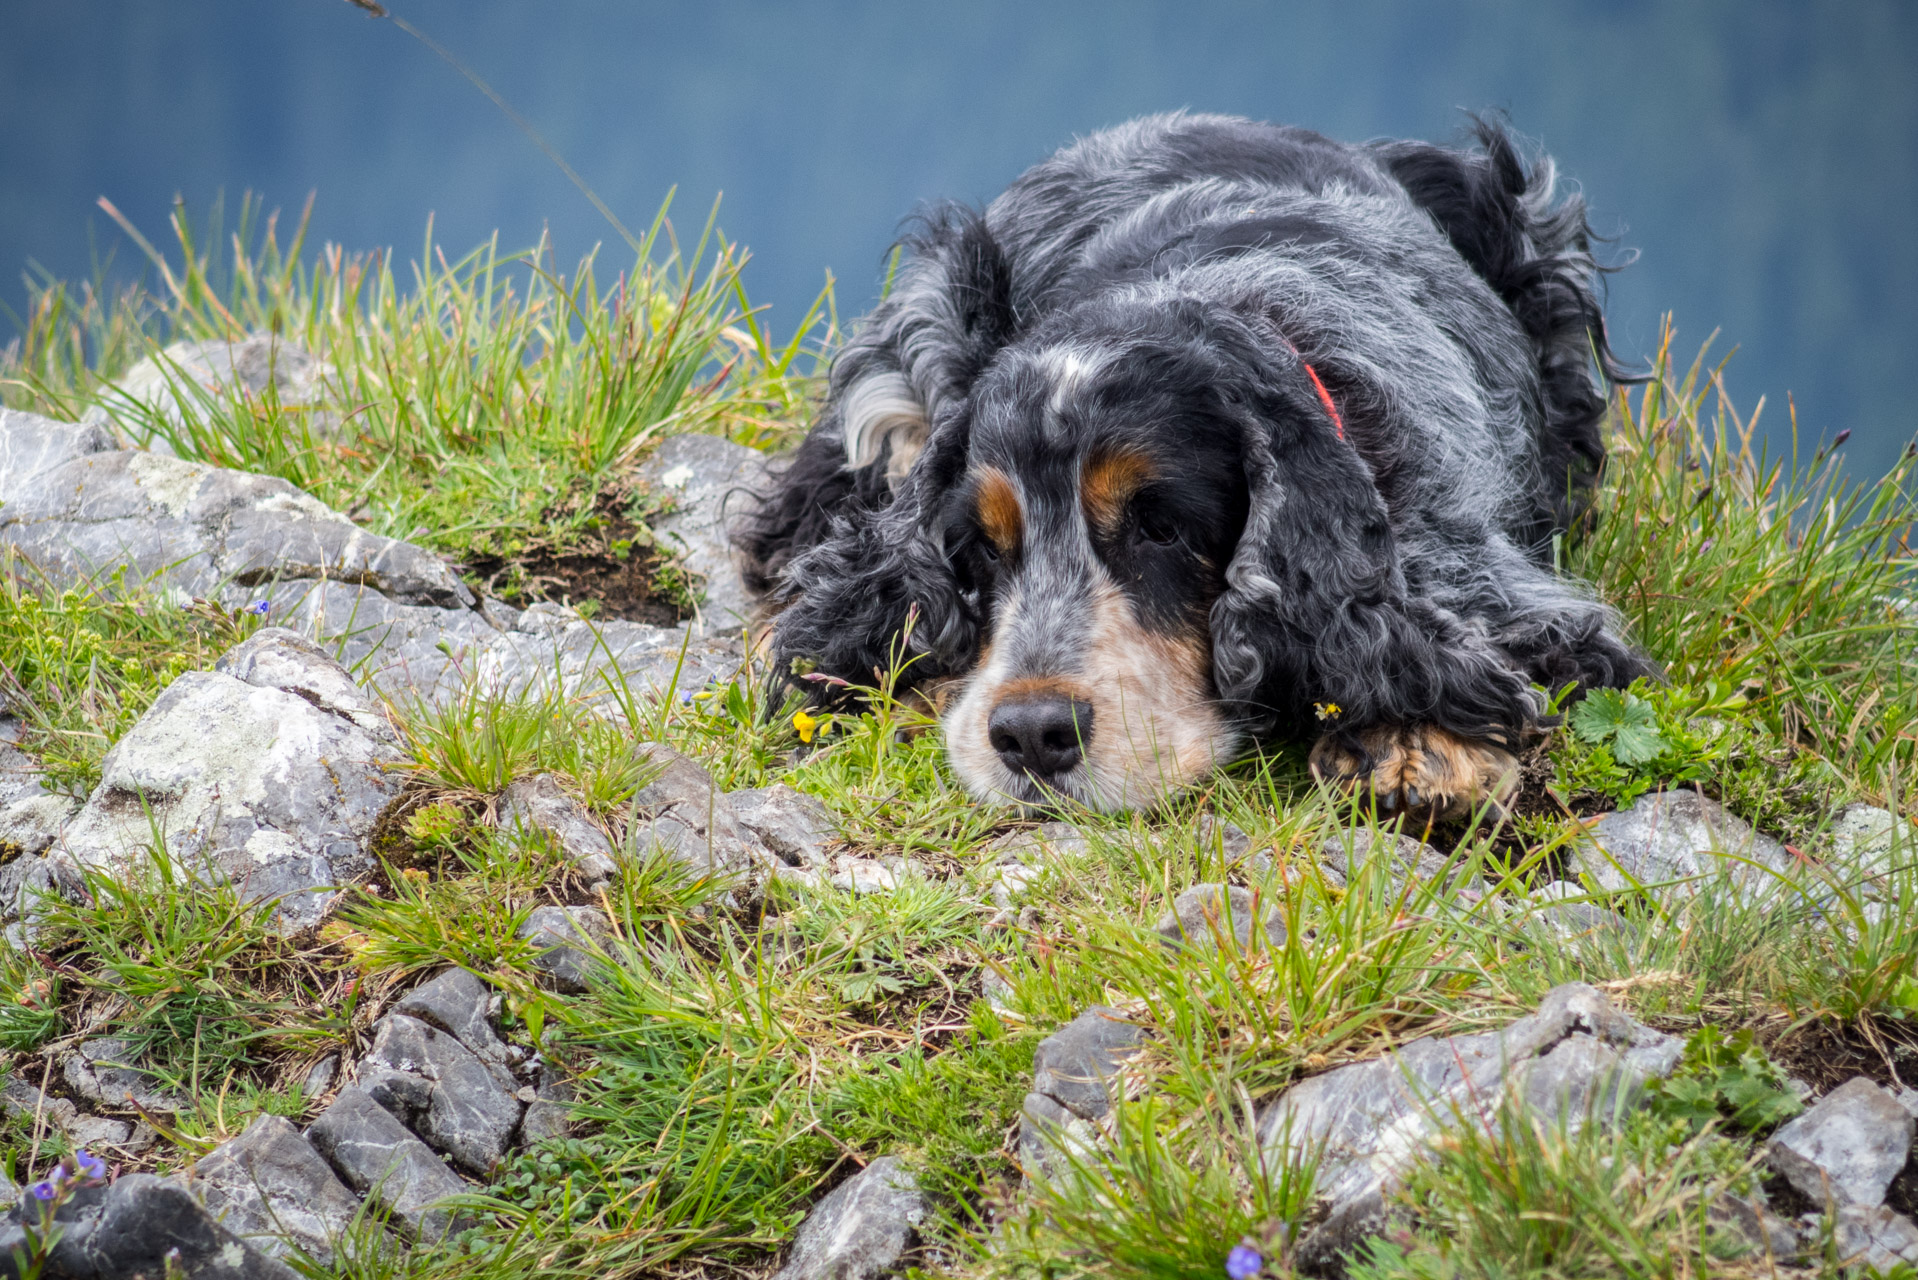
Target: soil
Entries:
(1825, 1054)
(611, 563)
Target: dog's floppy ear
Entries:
(949, 313)
(1315, 608)
(853, 594)
(899, 411)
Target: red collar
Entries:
(1325, 398)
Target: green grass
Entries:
(81, 662)
(1779, 579)
(739, 1054)
(481, 404)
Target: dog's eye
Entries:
(1153, 526)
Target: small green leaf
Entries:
(1598, 716)
(1625, 721)
(1636, 740)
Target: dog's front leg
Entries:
(1318, 611)
(1420, 770)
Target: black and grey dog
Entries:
(1207, 432)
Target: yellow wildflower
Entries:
(1327, 710)
(805, 724)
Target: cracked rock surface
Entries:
(380, 1159)
(1847, 1148)
(77, 506)
(682, 813)
(144, 1226)
(566, 936)
(272, 1189)
(274, 785)
(1569, 1059)
(1676, 835)
(539, 804)
(794, 826)
(1073, 1072)
(1207, 913)
(442, 1091)
(862, 1229)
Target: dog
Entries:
(1207, 433)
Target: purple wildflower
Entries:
(43, 1191)
(260, 608)
(1243, 1262)
(88, 1165)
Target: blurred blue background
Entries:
(1760, 156)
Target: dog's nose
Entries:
(1044, 736)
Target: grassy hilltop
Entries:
(739, 1060)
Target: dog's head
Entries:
(1068, 533)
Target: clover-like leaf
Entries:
(1622, 719)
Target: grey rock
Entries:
(550, 1113)
(31, 446)
(320, 1077)
(1051, 1138)
(441, 1091)
(100, 1131)
(1676, 835)
(709, 480)
(1574, 920)
(1847, 1148)
(1077, 1064)
(416, 652)
(31, 887)
(409, 652)
(272, 1189)
(378, 1158)
(862, 1229)
(460, 1004)
(1873, 1236)
(1864, 835)
(568, 938)
(24, 1101)
(148, 1227)
(538, 804)
(795, 826)
(1009, 881)
(1205, 913)
(199, 528)
(1321, 1250)
(682, 814)
(1345, 853)
(184, 380)
(1750, 1220)
(30, 825)
(103, 1071)
(276, 658)
(863, 875)
(1232, 843)
(20, 773)
(1576, 1057)
(1035, 846)
(601, 663)
(274, 789)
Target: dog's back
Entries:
(1219, 203)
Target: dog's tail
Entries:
(1533, 247)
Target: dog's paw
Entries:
(1420, 770)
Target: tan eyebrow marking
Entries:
(1107, 482)
(1000, 514)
